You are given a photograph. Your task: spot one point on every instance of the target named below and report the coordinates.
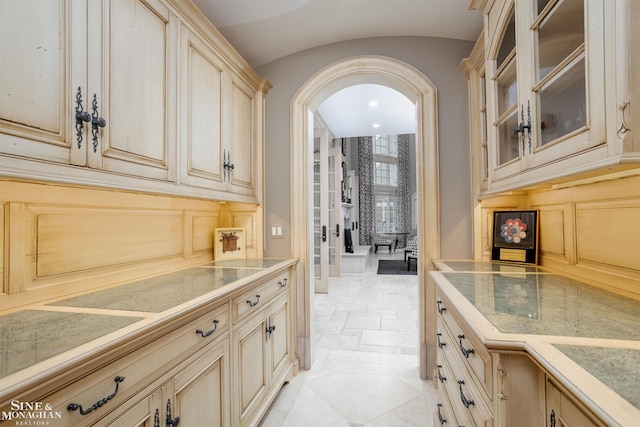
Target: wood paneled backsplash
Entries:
(589, 230)
(59, 240)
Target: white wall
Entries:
(436, 58)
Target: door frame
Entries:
(412, 83)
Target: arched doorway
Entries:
(418, 89)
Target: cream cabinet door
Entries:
(279, 338)
(201, 128)
(243, 138)
(40, 78)
(251, 370)
(143, 414)
(132, 73)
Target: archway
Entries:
(418, 89)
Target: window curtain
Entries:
(366, 198)
(404, 186)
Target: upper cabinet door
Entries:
(37, 97)
(132, 72)
(203, 78)
(566, 78)
(547, 76)
(242, 138)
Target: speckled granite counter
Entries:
(588, 337)
(42, 331)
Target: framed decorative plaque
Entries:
(229, 243)
(515, 236)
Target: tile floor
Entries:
(365, 372)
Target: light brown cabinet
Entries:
(199, 363)
(262, 342)
(550, 98)
(129, 94)
(219, 121)
(91, 86)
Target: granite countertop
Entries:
(558, 318)
(41, 331)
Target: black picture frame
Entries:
(515, 236)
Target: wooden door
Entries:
(132, 72)
(242, 138)
(201, 391)
(279, 324)
(143, 414)
(40, 78)
(251, 375)
(203, 74)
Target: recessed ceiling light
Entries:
(376, 125)
(373, 103)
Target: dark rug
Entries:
(395, 266)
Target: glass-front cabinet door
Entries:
(545, 78)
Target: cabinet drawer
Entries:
(473, 354)
(444, 415)
(253, 300)
(113, 385)
(466, 399)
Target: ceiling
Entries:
(263, 31)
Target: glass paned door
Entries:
(561, 78)
(326, 212)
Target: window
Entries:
(386, 145)
(386, 213)
(386, 174)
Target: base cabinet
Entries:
(263, 347)
(483, 386)
(214, 364)
(197, 395)
(562, 411)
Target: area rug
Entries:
(395, 266)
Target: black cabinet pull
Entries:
(552, 419)
(171, 421)
(81, 117)
(324, 233)
(441, 377)
(337, 230)
(442, 419)
(96, 121)
(227, 165)
(100, 403)
(441, 310)
(282, 283)
(253, 304)
(156, 418)
(466, 402)
(206, 334)
(465, 351)
(441, 344)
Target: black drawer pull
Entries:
(253, 304)
(441, 377)
(283, 283)
(206, 334)
(171, 421)
(100, 403)
(441, 344)
(466, 402)
(441, 310)
(442, 419)
(465, 351)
